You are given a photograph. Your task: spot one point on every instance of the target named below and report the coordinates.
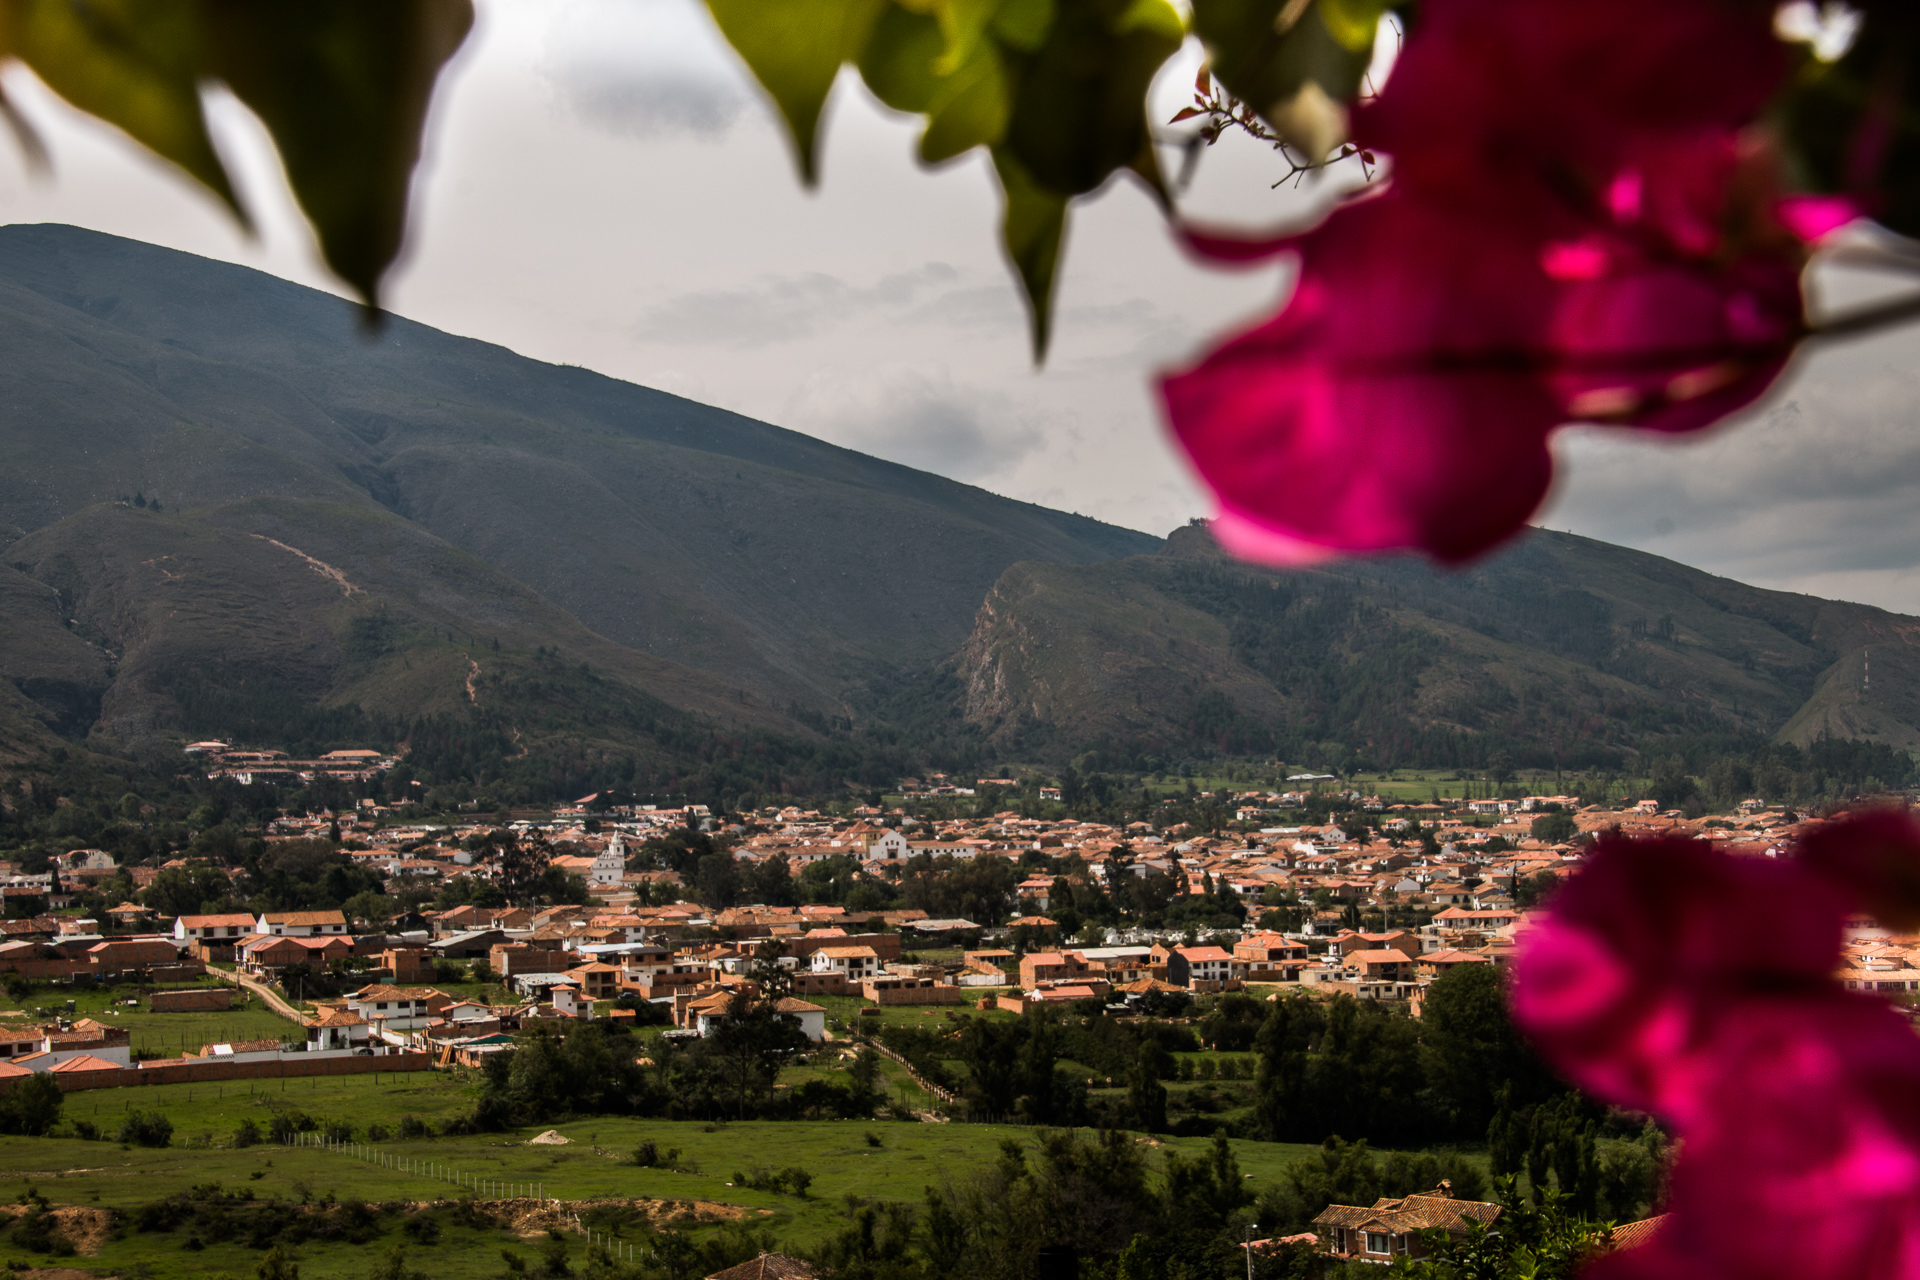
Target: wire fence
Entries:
(439, 1171)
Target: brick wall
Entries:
(297, 1066)
(883, 995)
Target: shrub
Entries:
(337, 1131)
(377, 1133)
(873, 1139)
(247, 1134)
(792, 1180)
(649, 1155)
(86, 1130)
(146, 1129)
(285, 1124)
(415, 1127)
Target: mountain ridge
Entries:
(422, 534)
(1564, 646)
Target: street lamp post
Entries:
(1251, 1228)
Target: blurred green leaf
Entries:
(964, 108)
(1853, 126)
(1079, 105)
(1354, 23)
(135, 64)
(1056, 89)
(1023, 24)
(343, 88)
(795, 48)
(1297, 64)
(1033, 225)
(897, 62)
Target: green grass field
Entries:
(595, 1165)
(158, 1033)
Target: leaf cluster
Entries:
(1054, 90)
(342, 90)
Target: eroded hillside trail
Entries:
(321, 567)
(473, 676)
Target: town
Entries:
(903, 961)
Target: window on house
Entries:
(1376, 1242)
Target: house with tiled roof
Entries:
(337, 1029)
(1391, 1228)
(301, 924)
(1199, 968)
(768, 1266)
(212, 927)
(1631, 1235)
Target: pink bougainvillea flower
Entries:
(1875, 856)
(1492, 96)
(1340, 424)
(1698, 986)
(1577, 228)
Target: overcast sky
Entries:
(606, 188)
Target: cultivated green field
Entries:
(594, 1166)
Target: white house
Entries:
(393, 1008)
(338, 1029)
(851, 963)
(301, 924)
(811, 1018)
(211, 928)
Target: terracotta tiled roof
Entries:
(768, 1266)
(1631, 1235)
(1410, 1213)
(85, 1062)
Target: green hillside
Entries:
(228, 511)
(1561, 651)
(757, 555)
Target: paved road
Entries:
(266, 993)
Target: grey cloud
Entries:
(925, 423)
(645, 69)
(783, 308)
(647, 106)
(1819, 486)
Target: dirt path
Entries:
(266, 993)
(472, 676)
(320, 567)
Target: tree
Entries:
(32, 1107)
(522, 864)
(716, 881)
(1472, 1049)
(750, 1043)
(1555, 828)
(1146, 1096)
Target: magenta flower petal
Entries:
(1382, 408)
(1577, 229)
(1520, 92)
(1875, 857)
(1815, 218)
(1676, 979)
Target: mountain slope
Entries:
(758, 555)
(1562, 648)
